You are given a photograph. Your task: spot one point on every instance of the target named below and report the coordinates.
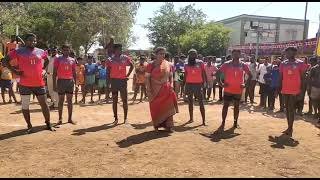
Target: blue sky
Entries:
(220, 10)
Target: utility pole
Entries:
(305, 22)
(258, 31)
(257, 44)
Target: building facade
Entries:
(274, 29)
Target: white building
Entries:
(275, 29)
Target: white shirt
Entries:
(262, 71)
(51, 64)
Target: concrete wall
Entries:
(289, 32)
(236, 31)
(269, 36)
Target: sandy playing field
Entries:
(96, 148)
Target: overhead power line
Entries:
(262, 7)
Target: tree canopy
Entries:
(210, 39)
(186, 28)
(77, 23)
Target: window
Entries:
(253, 34)
(272, 26)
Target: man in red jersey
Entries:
(291, 74)
(195, 78)
(65, 70)
(233, 85)
(117, 65)
(30, 61)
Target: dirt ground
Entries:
(96, 148)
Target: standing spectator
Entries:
(314, 87)
(263, 91)
(90, 78)
(252, 83)
(313, 62)
(140, 71)
(275, 82)
(301, 96)
(211, 77)
(53, 53)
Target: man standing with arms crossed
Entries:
(30, 61)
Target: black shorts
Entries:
(118, 85)
(231, 97)
(5, 83)
(65, 86)
(193, 88)
(38, 91)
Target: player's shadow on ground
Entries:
(31, 111)
(217, 136)
(183, 127)
(141, 138)
(281, 141)
(141, 126)
(309, 119)
(89, 104)
(21, 132)
(80, 132)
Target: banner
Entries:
(318, 43)
(307, 47)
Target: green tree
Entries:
(77, 23)
(210, 39)
(168, 25)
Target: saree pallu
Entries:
(163, 100)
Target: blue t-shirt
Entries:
(275, 76)
(91, 69)
(103, 73)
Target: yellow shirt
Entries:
(1, 56)
(5, 73)
(140, 73)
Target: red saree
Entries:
(162, 98)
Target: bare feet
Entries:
(169, 130)
(190, 121)
(115, 121)
(49, 127)
(236, 125)
(287, 132)
(72, 122)
(29, 130)
(59, 122)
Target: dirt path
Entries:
(95, 148)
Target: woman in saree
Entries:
(162, 99)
